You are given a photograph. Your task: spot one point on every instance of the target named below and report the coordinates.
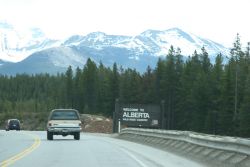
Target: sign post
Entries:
(116, 116)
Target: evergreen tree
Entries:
(90, 87)
(226, 113)
(202, 92)
(188, 101)
(148, 93)
(104, 95)
(159, 75)
(240, 71)
(114, 85)
(179, 67)
(130, 87)
(78, 91)
(244, 115)
(216, 89)
(168, 86)
(69, 87)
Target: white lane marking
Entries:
(134, 157)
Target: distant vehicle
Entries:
(12, 124)
(64, 122)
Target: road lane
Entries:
(96, 150)
(90, 151)
(14, 145)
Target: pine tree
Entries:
(130, 87)
(226, 112)
(69, 87)
(216, 88)
(206, 91)
(240, 71)
(244, 115)
(188, 90)
(179, 67)
(104, 95)
(114, 84)
(90, 87)
(78, 91)
(159, 75)
(168, 86)
(148, 93)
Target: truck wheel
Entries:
(49, 135)
(77, 136)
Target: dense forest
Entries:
(199, 95)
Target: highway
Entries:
(32, 149)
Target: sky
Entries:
(217, 20)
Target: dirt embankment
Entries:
(96, 124)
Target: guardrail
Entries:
(211, 150)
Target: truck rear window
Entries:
(14, 122)
(64, 115)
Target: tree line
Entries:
(199, 95)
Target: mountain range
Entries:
(30, 51)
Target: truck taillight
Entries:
(80, 124)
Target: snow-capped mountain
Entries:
(16, 44)
(46, 55)
(187, 42)
(152, 41)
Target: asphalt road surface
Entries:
(32, 149)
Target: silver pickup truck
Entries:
(64, 122)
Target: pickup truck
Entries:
(64, 122)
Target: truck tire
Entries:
(77, 136)
(49, 135)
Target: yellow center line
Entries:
(22, 154)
